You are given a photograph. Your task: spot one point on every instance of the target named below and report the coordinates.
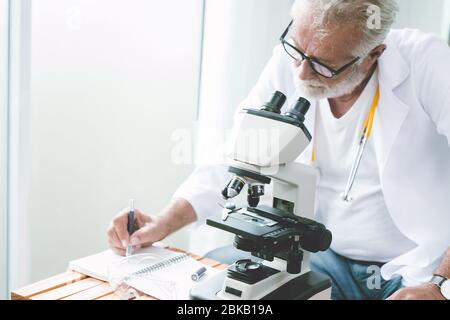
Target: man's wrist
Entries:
(444, 269)
(441, 274)
(177, 215)
(165, 225)
(435, 284)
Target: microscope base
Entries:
(304, 287)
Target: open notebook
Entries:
(167, 277)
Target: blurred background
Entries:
(95, 95)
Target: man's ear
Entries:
(373, 56)
(377, 52)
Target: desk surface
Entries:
(72, 285)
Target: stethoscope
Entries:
(366, 131)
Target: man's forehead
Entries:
(330, 44)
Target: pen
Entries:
(130, 227)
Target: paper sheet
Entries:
(173, 282)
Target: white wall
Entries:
(3, 143)
(108, 88)
(427, 16)
(446, 21)
(239, 38)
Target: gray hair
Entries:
(373, 17)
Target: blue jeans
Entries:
(353, 280)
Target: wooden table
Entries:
(72, 285)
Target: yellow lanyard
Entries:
(368, 123)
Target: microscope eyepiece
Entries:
(276, 103)
(299, 110)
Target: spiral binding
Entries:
(161, 264)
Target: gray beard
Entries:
(314, 89)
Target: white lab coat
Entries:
(412, 141)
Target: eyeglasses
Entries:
(317, 66)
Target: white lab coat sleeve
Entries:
(203, 187)
(433, 84)
(434, 88)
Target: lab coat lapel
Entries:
(391, 111)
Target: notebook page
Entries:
(96, 265)
(172, 282)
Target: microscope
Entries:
(264, 147)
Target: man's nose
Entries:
(304, 70)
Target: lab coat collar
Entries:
(393, 69)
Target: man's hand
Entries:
(148, 229)
(427, 291)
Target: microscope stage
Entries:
(249, 225)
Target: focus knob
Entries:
(319, 240)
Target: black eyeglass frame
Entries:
(333, 71)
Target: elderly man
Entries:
(359, 74)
